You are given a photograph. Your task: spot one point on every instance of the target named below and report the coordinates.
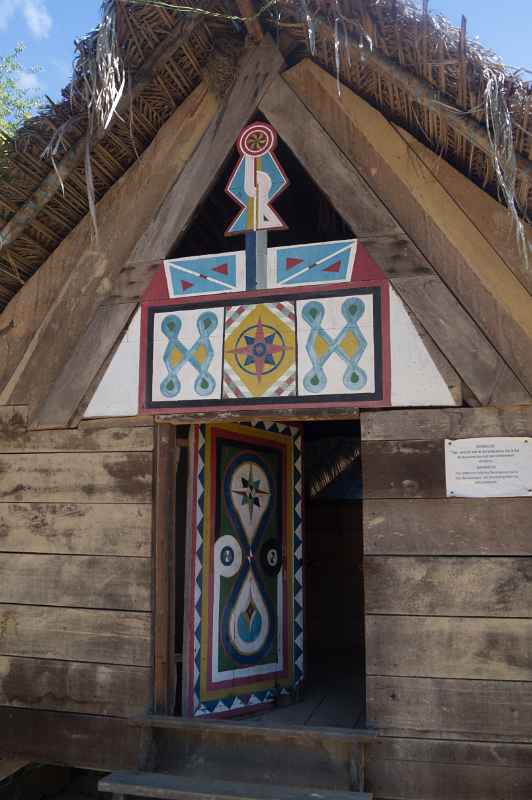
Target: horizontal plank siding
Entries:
(72, 686)
(76, 581)
(450, 526)
(81, 440)
(121, 529)
(403, 469)
(75, 567)
(78, 740)
(474, 709)
(428, 769)
(70, 634)
(449, 647)
(76, 477)
(447, 423)
(447, 586)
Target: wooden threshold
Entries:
(240, 728)
(176, 787)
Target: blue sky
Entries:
(49, 27)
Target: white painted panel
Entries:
(416, 380)
(118, 392)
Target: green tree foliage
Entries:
(16, 102)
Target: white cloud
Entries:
(28, 81)
(37, 18)
(36, 15)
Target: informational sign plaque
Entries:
(489, 467)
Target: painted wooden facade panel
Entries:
(244, 552)
(415, 378)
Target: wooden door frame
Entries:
(167, 452)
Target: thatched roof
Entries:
(382, 44)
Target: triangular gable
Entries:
(358, 206)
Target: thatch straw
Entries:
(341, 33)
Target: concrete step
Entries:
(177, 787)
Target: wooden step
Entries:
(176, 787)
(325, 758)
(248, 728)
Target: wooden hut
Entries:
(265, 498)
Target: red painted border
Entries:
(247, 438)
(370, 276)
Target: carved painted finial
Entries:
(257, 180)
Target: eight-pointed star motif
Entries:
(260, 350)
(251, 492)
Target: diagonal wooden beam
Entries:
(453, 330)
(56, 406)
(432, 219)
(431, 98)
(74, 157)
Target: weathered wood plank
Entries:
(446, 423)
(71, 634)
(425, 769)
(448, 586)
(457, 526)
(13, 421)
(427, 213)
(76, 477)
(493, 219)
(87, 357)
(181, 787)
(55, 403)
(403, 469)
(76, 581)
(349, 193)
(485, 709)
(470, 352)
(104, 529)
(53, 310)
(10, 766)
(115, 690)
(75, 740)
(449, 647)
(334, 170)
(84, 439)
(164, 569)
(76, 278)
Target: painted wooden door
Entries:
(243, 641)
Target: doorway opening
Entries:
(334, 684)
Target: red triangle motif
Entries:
(186, 285)
(222, 269)
(293, 262)
(334, 267)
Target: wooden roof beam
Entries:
(67, 377)
(458, 253)
(74, 157)
(455, 333)
(252, 23)
(430, 97)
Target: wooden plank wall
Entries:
(75, 565)
(448, 604)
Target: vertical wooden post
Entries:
(166, 458)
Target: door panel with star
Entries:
(245, 645)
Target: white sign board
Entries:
(489, 467)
